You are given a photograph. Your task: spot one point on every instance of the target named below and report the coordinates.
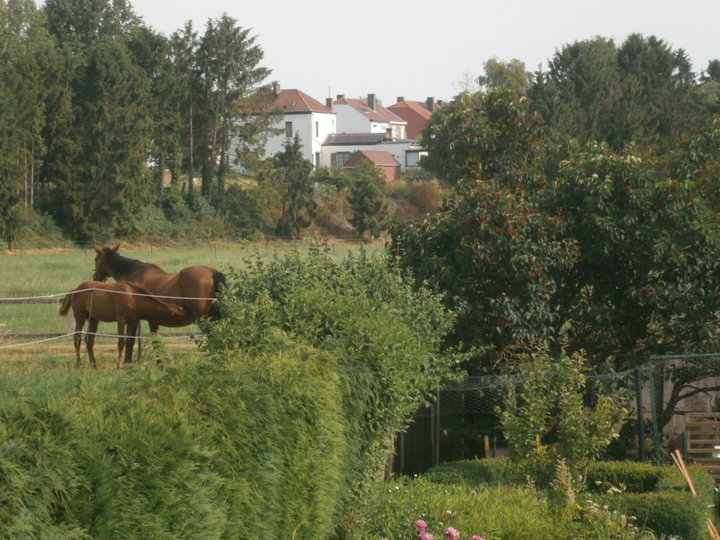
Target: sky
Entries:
(419, 49)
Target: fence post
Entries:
(138, 339)
(435, 427)
(653, 411)
(640, 413)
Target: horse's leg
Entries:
(122, 342)
(130, 336)
(77, 337)
(90, 343)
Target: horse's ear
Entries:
(97, 248)
(116, 247)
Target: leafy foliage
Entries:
(545, 419)
(595, 252)
(367, 187)
(384, 335)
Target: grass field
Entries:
(54, 272)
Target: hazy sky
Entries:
(419, 48)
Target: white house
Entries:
(367, 116)
(303, 115)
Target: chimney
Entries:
(276, 88)
(340, 96)
(328, 102)
(400, 99)
(430, 104)
(371, 102)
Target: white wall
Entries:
(305, 125)
(349, 120)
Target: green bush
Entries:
(674, 514)
(634, 477)
(385, 335)
(493, 472)
(212, 447)
(656, 496)
(509, 513)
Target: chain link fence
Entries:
(660, 396)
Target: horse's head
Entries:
(102, 266)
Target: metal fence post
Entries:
(640, 413)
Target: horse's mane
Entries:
(123, 265)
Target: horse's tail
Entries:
(65, 307)
(219, 283)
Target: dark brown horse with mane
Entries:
(195, 288)
(121, 302)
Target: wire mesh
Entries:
(463, 422)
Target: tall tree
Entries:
(366, 198)
(580, 90)
(510, 76)
(229, 63)
(603, 254)
(291, 178)
(25, 55)
(485, 136)
(98, 160)
(657, 104)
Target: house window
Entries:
(317, 129)
(317, 160)
(412, 159)
(339, 159)
(288, 130)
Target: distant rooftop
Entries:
(338, 139)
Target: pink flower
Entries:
(476, 538)
(420, 525)
(425, 536)
(452, 533)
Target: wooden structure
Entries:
(702, 431)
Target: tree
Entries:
(293, 184)
(642, 92)
(229, 69)
(366, 197)
(657, 104)
(485, 136)
(545, 418)
(697, 160)
(579, 93)
(26, 52)
(510, 76)
(604, 254)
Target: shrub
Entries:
(676, 514)
(492, 472)
(390, 512)
(212, 447)
(385, 335)
(547, 421)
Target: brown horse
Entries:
(123, 303)
(194, 288)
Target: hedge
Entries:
(656, 495)
(207, 448)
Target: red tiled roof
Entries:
(380, 114)
(296, 101)
(414, 113)
(377, 157)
